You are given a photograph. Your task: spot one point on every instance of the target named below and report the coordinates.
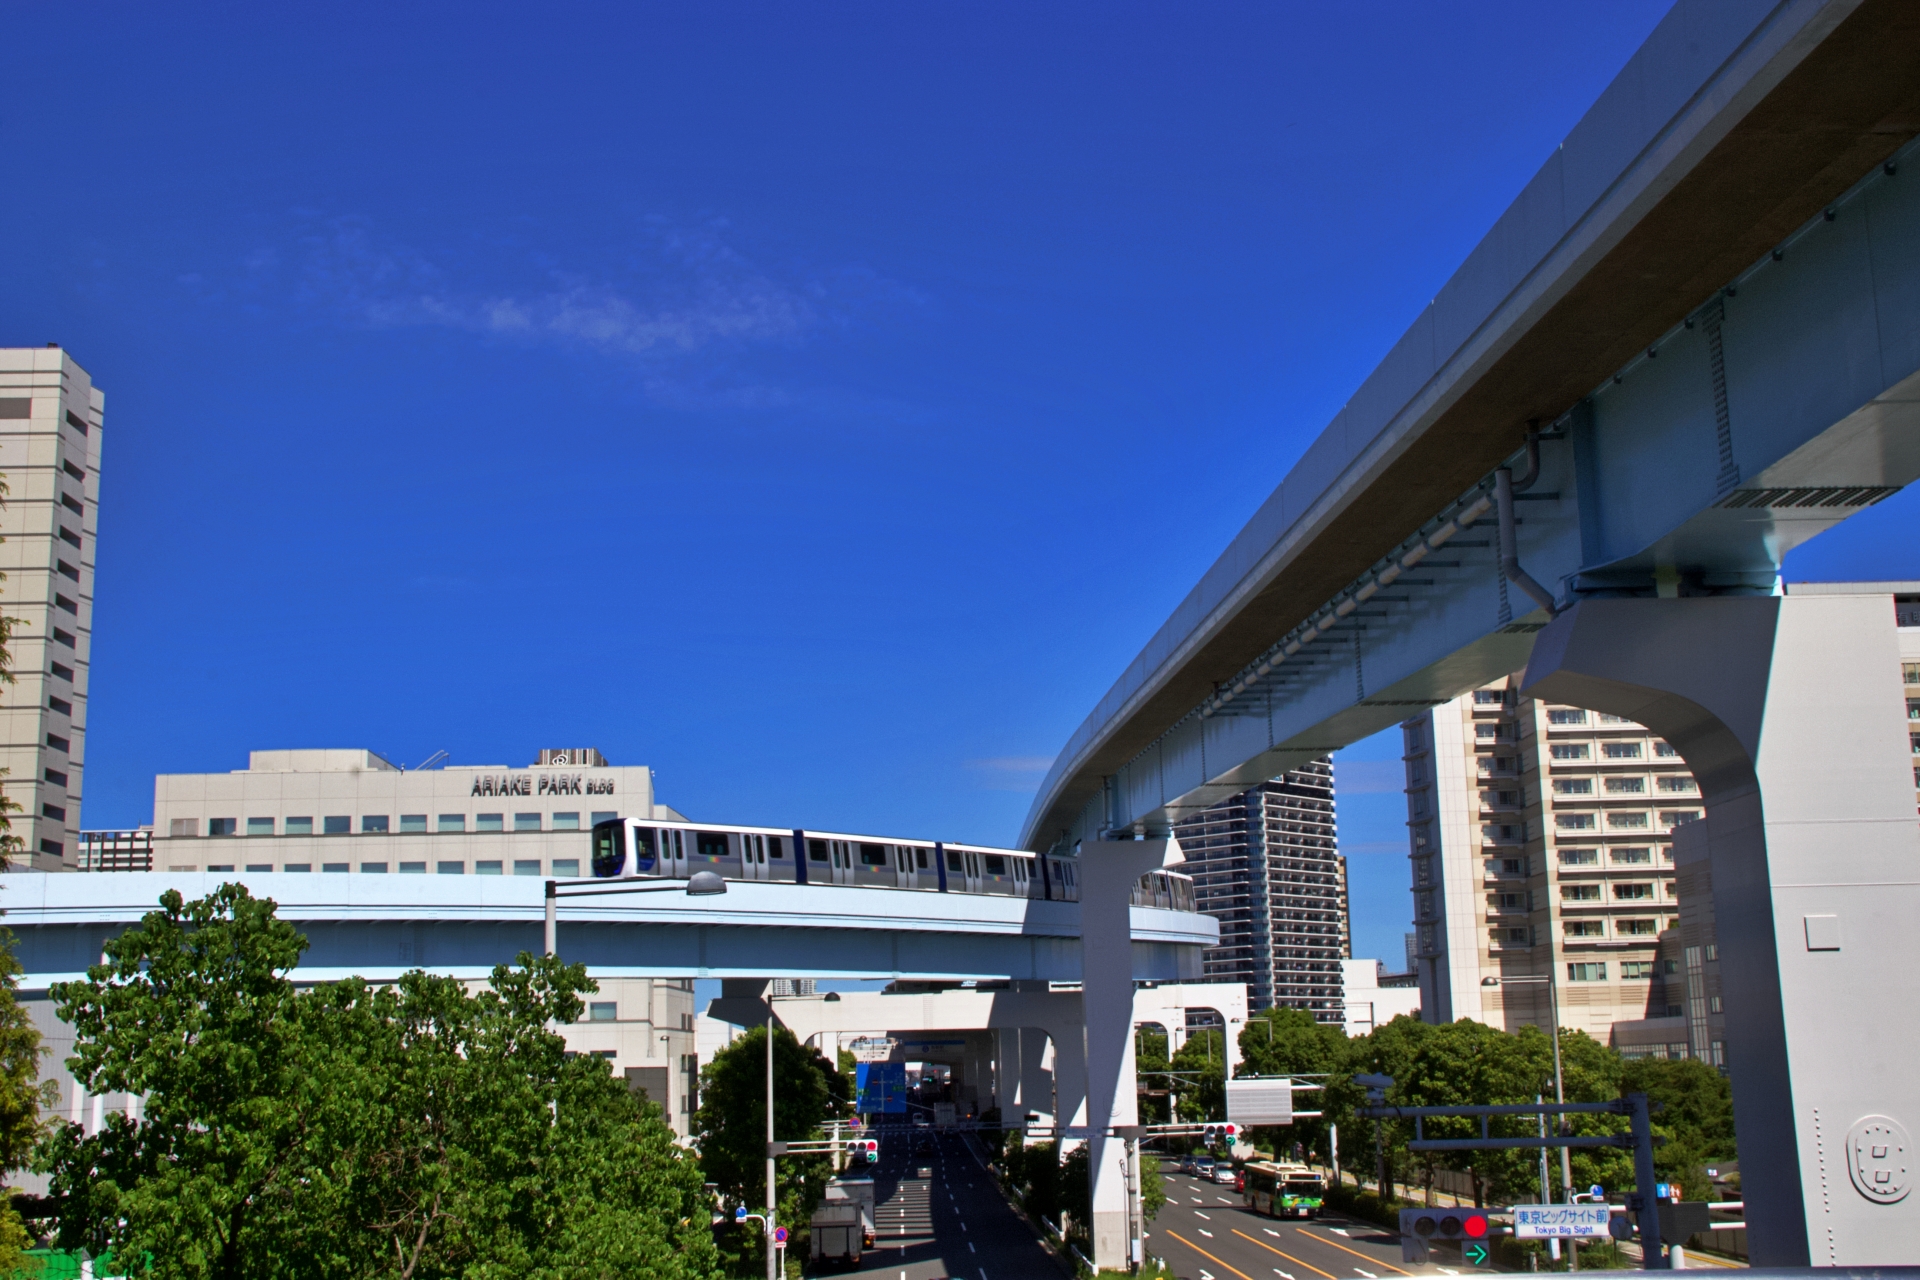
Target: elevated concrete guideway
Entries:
(380, 926)
(1715, 404)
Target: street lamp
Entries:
(701, 884)
(1559, 1084)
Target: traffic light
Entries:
(1467, 1228)
(863, 1149)
(1216, 1134)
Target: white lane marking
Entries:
(1198, 1200)
(1205, 1274)
(1203, 1231)
(1339, 1231)
(1221, 1199)
(970, 1248)
(1277, 1271)
(1196, 1212)
(1368, 1274)
(1270, 1231)
(1450, 1271)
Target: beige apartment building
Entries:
(50, 418)
(1541, 840)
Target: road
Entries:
(938, 1216)
(1205, 1232)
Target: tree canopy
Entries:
(418, 1130)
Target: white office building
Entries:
(50, 416)
(352, 812)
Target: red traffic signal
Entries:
(1474, 1226)
(1469, 1226)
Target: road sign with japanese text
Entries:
(1560, 1221)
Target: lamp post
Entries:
(700, 885)
(1559, 1084)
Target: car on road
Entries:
(1223, 1172)
(1200, 1167)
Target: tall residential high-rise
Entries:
(1541, 847)
(1266, 864)
(50, 416)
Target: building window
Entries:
(488, 822)
(487, 867)
(1713, 1005)
(336, 868)
(451, 868)
(298, 866)
(602, 815)
(1573, 821)
(1573, 786)
(412, 823)
(1678, 784)
(1636, 929)
(453, 822)
(259, 826)
(1568, 751)
(178, 827)
(1580, 893)
(566, 821)
(1587, 971)
(259, 866)
(1566, 716)
(299, 826)
(63, 671)
(1629, 857)
(373, 824)
(526, 866)
(1670, 818)
(56, 777)
(1632, 892)
(1636, 970)
(337, 824)
(413, 868)
(1579, 857)
(1496, 697)
(1665, 750)
(1627, 821)
(1626, 786)
(564, 867)
(61, 705)
(53, 811)
(373, 868)
(53, 848)
(1620, 750)
(1713, 951)
(1585, 929)
(219, 866)
(1609, 718)
(1910, 672)
(607, 1011)
(221, 826)
(526, 822)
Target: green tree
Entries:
(1150, 1065)
(1201, 1076)
(1696, 1118)
(731, 1129)
(416, 1131)
(1291, 1042)
(22, 1096)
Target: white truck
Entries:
(842, 1225)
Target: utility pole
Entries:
(772, 1263)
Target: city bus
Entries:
(1282, 1190)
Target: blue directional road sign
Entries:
(881, 1087)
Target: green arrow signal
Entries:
(1476, 1254)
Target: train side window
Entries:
(996, 866)
(953, 861)
(777, 847)
(873, 855)
(920, 858)
(710, 844)
(816, 851)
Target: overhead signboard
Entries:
(1561, 1221)
(1251, 1102)
(880, 1087)
(871, 1048)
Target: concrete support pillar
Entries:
(1791, 714)
(1108, 871)
(1006, 1073)
(1036, 1081)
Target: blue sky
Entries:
(819, 403)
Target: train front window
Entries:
(609, 849)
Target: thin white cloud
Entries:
(686, 305)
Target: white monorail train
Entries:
(675, 850)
